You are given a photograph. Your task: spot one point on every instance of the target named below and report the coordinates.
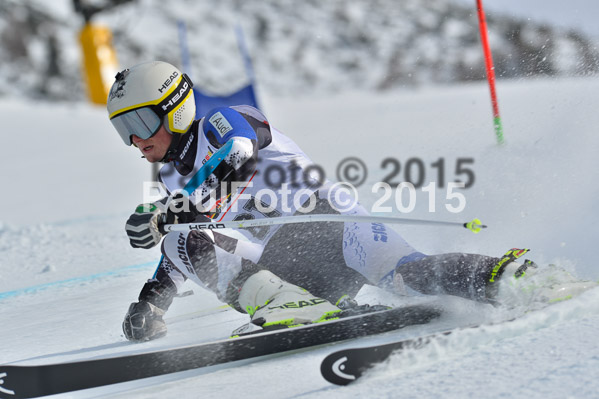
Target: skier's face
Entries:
(154, 148)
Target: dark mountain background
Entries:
(309, 46)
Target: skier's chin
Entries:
(153, 159)
(153, 156)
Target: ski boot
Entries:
(522, 284)
(273, 303)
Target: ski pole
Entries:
(482, 24)
(475, 225)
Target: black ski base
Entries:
(346, 366)
(34, 381)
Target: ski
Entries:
(41, 380)
(347, 365)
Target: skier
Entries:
(216, 169)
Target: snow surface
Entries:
(67, 274)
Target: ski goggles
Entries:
(145, 121)
(141, 122)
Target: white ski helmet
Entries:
(148, 95)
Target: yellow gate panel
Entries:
(99, 61)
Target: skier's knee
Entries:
(181, 247)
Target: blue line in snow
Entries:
(62, 283)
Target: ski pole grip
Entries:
(162, 223)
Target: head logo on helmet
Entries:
(167, 83)
(184, 88)
(148, 95)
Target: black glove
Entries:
(143, 227)
(143, 322)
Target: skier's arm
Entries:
(143, 320)
(238, 138)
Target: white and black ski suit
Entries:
(235, 145)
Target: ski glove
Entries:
(145, 226)
(143, 322)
